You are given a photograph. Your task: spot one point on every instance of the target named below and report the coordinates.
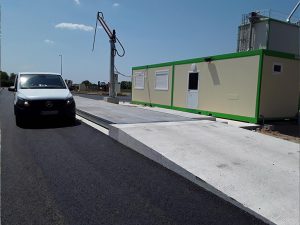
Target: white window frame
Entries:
(162, 73)
(139, 74)
(277, 64)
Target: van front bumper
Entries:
(45, 108)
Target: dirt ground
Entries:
(288, 130)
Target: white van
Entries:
(42, 95)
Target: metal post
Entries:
(112, 40)
(60, 65)
(112, 92)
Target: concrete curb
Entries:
(95, 119)
(127, 140)
(76, 93)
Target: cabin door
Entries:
(193, 90)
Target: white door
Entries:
(193, 92)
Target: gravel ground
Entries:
(288, 130)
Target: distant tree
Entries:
(102, 86)
(4, 79)
(12, 77)
(86, 83)
(3, 76)
(126, 85)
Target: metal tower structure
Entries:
(113, 52)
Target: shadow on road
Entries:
(48, 123)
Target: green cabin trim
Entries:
(280, 54)
(219, 57)
(198, 60)
(172, 87)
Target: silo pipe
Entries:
(294, 10)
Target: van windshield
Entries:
(41, 81)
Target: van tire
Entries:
(71, 120)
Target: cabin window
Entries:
(277, 68)
(162, 80)
(139, 80)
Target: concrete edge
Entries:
(93, 125)
(188, 115)
(75, 93)
(127, 140)
(95, 119)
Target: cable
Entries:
(121, 73)
(95, 34)
(111, 35)
(123, 49)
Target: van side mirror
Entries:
(12, 88)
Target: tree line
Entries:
(7, 80)
(124, 84)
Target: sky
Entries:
(36, 32)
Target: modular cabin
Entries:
(259, 82)
(246, 86)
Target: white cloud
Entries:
(77, 2)
(74, 26)
(47, 41)
(116, 4)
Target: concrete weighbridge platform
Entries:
(258, 173)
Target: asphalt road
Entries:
(52, 173)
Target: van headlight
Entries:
(22, 102)
(70, 100)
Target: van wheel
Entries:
(71, 120)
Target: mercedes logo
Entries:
(49, 104)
